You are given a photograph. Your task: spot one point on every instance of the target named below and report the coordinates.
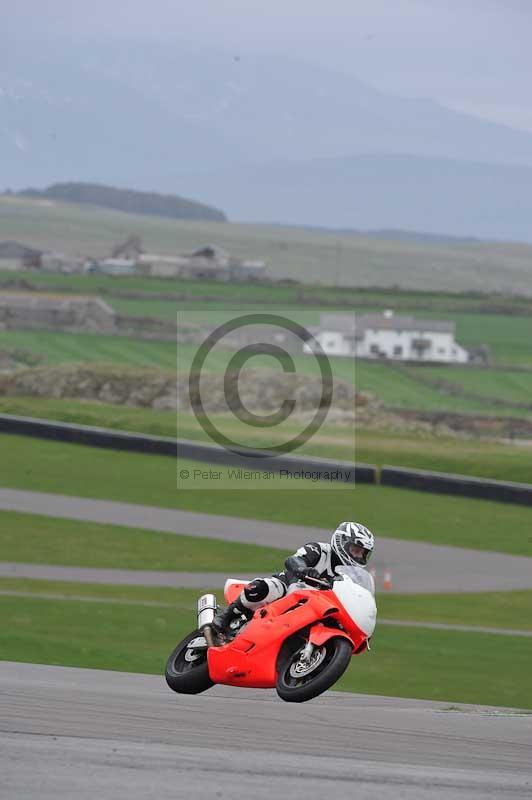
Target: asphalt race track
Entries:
(416, 566)
(76, 733)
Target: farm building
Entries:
(209, 262)
(161, 266)
(59, 262)
(72, 313)
(14, 255)
(247, 270)
(386, 336)
(113, 266)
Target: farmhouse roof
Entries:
(210, 251)
(147, 258)
(11, 249)
(349, 323)
(118, 262)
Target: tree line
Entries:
(129, 201)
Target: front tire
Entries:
(187, 676)
(297, 683)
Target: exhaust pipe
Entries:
(206, 612)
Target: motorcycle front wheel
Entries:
(187, 671)
(298, 681)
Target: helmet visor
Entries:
(357, 552)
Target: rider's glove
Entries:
(295, 567)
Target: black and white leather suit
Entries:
(318, 556)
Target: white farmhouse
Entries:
(399, 338)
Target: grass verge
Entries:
(488, 459)
(493, 609)
(444, 665)
(490, 609)
(406, 662)
(77, 470)
(33, 539)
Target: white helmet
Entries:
(353, 543)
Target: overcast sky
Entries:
(469, 54)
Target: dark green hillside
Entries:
(128, 200)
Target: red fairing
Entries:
(320, 634)
(251, 658)
(232, 590)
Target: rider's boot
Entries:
(221, 621)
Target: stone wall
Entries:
(260, 390)
(55, 312)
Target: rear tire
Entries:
(333, 657)
(184, 676)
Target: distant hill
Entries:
(385, 234)
(111, 113)
(129, 201)
(441, 197)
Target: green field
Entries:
(60, 348)
(406, 662)
(503, 321)
(89, 472)
(505, 610)
(406, 389)
(108, 627)
(509, 337)
(491, 609)
(444, 665)
(419, 451)
(503, 385)
(33, 539)
(493, 392)
(420, 303)
(189, 291)
(163, 596)
(310, 256)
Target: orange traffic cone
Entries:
(387, 582)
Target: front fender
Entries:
(319, 634)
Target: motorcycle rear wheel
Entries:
(332, 660)
(187, 677)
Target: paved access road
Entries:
(416, 566)
(80, 733)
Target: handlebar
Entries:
(324, 584)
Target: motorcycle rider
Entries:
(351, 545)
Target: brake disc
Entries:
(301, 668)
(190, 655)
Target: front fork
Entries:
(209, 636)
(306, 653)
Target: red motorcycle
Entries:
(300, 644)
